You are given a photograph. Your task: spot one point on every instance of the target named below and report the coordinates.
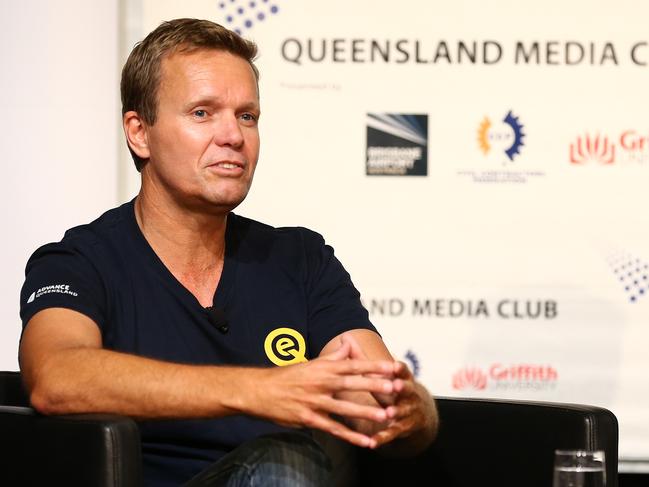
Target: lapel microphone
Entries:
(217, 318)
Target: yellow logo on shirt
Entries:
(285, 346)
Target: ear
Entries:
(135, 130)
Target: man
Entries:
(225, 338)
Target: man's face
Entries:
(204, 144)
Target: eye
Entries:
(249, 117)
(200, 113)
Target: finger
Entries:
(350, 409)
(356, 350)
(383, 368)
(325, 423)
(402, 409)
(402, 371)
(392, 432)
(404, 387)
(376, 385)
(384, 437)
(384, 400)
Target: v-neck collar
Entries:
(225, 284)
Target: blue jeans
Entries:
(277, 460)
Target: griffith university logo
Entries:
(397, 145)
(242, 15)
(470, 378)
(592, 148)
(504, 137)
(628, 147)
(285, 346)
(497, 376)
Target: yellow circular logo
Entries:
(285, 346)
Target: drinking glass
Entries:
(579, 468)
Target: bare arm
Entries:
(66, 370)
(412, 421)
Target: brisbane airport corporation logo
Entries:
(397, 145)
(629, 147)
(514, 377)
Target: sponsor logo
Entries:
(470, 378)
(629, 147)
(397, 145)
(592, 149)
(632, 273)
(500, 140)
(498, 376)
(456, 308)
(53, 288)
(285, 346)
(413, 363)
(506, 137)
(239, 15)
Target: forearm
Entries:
(66, 371)
(86, 380)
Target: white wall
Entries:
(59, 132)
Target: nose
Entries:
(228, 131)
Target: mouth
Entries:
(228, 165)
(228, 168)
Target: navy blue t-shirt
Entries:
(282, 291)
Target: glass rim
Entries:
(578, 452)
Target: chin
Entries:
(219, 195)
(227, 202)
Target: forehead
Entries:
(203, 70)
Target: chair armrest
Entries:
(96, 450)
(499, 442)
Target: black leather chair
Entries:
(481, 442)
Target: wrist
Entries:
(245, 391)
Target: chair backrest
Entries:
(73, 450)
(12, 392)
(498, 442)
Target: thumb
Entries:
(341, 353)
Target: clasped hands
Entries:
(368, 403)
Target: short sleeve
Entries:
(58, 275)
(334, 304)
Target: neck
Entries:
(186, 241)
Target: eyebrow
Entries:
(216, 101)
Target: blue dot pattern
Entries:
(632, 273)
(243, 15)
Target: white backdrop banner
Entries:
(481, 169)
(59, 93)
